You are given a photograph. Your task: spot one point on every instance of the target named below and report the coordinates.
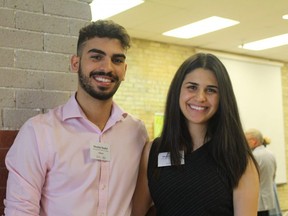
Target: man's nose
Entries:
(106, 65)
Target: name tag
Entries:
(164, 159)
(100, 151)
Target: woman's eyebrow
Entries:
(192, 83)
(212, 86)
(209, 86)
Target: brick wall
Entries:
(37, 40)
(151, 66)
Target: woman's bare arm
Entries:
(245, 195)
(142, 200)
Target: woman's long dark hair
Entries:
(230, 148)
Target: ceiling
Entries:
(259, 19)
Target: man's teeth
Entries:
(102, 79)
(197, 107)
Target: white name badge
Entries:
(164, 159)
(100, 151)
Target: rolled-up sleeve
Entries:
(26, 174)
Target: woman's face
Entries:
(199, 97)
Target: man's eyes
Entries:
(97, 57)
(114, 60)
(118, 60)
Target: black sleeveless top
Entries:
(197, 188)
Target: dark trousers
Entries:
(263, 213)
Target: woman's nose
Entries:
(201, 96)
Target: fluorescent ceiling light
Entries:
(102, 9)
(201, 27)
(285, 16)
(267, 43)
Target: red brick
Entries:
(3, 177)
(7, 138)
(3, 153)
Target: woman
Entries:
(201, 164)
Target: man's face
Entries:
(251, 141)
(102, 67)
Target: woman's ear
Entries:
(74, 63)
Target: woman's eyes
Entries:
(192, 87)
(209, 90)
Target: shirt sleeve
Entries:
(26, 174)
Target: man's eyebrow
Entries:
(96, 51)
(121, 55)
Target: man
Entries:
(80, 158)
(267, 169)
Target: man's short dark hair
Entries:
(103, 29)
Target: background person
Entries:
(267, 169)
(80, 158)
(201, 164)
(277, 210)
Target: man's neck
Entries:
(96, 111)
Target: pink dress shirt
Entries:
(51, 172)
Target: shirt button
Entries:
(103, 187)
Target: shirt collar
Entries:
(72, 110)
(259, 148)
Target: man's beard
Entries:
(84, 82)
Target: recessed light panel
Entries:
(201, 27)
(267, 43)
(285, 16)
(102, 9)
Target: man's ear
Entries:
(124, 73)
(75, 63)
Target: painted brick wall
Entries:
(37, 40)
(151, 66)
